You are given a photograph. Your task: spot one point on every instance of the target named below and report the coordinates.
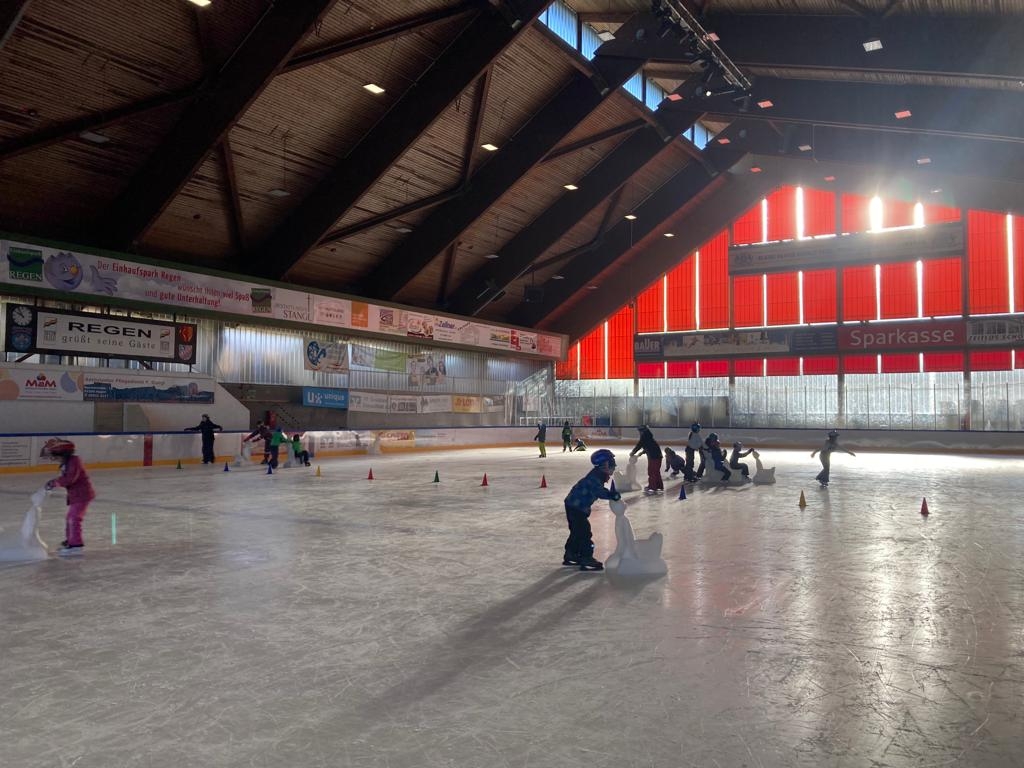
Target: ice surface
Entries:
(289, 621)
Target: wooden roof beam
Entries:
(11, 13)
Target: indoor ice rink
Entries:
(238, 619)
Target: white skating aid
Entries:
(627, 482)
(632, 557)
(25, 545)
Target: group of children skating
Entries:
(272, 442)
(696, 447)
(567, 440)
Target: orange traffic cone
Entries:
(370, 476)
(924, 506)
(803, 501)
(543, 482)
(484, 483)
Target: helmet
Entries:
(738, 446)
(602, 455)
(695, 427)
(57, 446)
(833, 434)
(712, 437)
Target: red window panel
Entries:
(988, 272)
(682, 369)
(899, 290)
(820, 296)
(592, 354)
(819, 212)
(941, 291)
(859, 301)
(782, 214)
(568, 369)
(749, 367)
(933, 214)
(681, 310)
(650, 370)
(860, 364)
(821, 366)
(714, 283)
(710, 368)
(650, 309)
(992, 360)
(1018, 358)
(1018, 263)
(783, 366)
(903, 363)
(747, 301)
(620, 344)
(856, 214)
(748, 227)
(943, 362)
(784, 299)
(897, 213)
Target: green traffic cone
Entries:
(437, 479)
(179, 464)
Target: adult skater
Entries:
(579, 547)
(648, 445)
(567, 437)
(206, 428)
(75, 479)
(262, 432)
(737, 454)
(694, 444)
(717, 456)
(541, 437)
(831, 445)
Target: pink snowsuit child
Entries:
(75, 480)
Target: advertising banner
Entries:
(466, 403)
(326, 356)
(494, 403)
(368, 402)
(909, 337)
(30, 329)
(378, 359)
(323, 397)
(403, 403)
(19, 381)
(435, 403)
(991, 331)
(144, 387)
(87, 275)
(426, 369)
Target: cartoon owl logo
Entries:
(63, 271)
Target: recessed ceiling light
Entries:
(558, 277)
(591, 287)
(830, 178)
(874, 44)
(724, 140)
(903, 114)
(403, 229)
(373, 88)
(669, 234)
(278, 192)
(200, 3)
(489, 147)
(606, 35)
(631, 216)
(805, 147)
(937, 190)
(674, 97)
(765, 104)
(924, 160)
(712, 37)
(491, 256)
(755, 169)
(94, 138)
(571, 187)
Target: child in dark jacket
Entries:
(579, 547)
(566, 437)
(674, 462)
(737, 454)
(75, 479)
(717, 456)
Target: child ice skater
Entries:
(579, 547)
(717, 456)
(648, 445)
(737, 454)
(674, 463)
(694, 447)
(297, 450)
(567, 437)
(580, 445)
(542, 437)
(75, 479)
(831, 445)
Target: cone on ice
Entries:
(226, 467)
(270, 469)
(803, 501)
(369, 476)
(179, 464)
(318, 470)
(544, 482)
(682, 491)
(924, 507)
(484, 483)
(612, 486)
(437, 477)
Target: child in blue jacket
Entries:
(579, 547)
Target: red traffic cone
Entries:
(682, 492)
(924, 506)
(370, 475)
(484, 483)
(543, 482)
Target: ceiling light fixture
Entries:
(403, 229)
(830, 178)
(874, 44)
(489, 147)
(674, 97)
(558, 277)
(278, 192)
(924, 160)
(903, 114)
(373, 88)
(669, 234)
(200, 3)
(805, 147)
(631, 217)
(606, 35)
(766, 104)
(94, 138)
(755, 169)
(937, 190)
(571, 187)
(724, 140)
(591, 287)
(491, 256)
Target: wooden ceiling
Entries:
(239, 136)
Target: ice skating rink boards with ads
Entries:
(244, 619)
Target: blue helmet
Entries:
(599, 457)
(695, 427)
(833, 434)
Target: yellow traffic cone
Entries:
(803, 501)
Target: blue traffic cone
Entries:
(270, 469)
(612, 489)
(226, 467)
(682, 491)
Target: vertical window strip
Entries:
(918, 215)
(1009, 262)
(800, 305)
(801, 220)
(764, 300)
(878, 291)
(919, 269)
(696, 289)
(605, 350)
(876, 214)
(764, 220)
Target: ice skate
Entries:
(71, 551)
(590, 564)
(569, 561)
